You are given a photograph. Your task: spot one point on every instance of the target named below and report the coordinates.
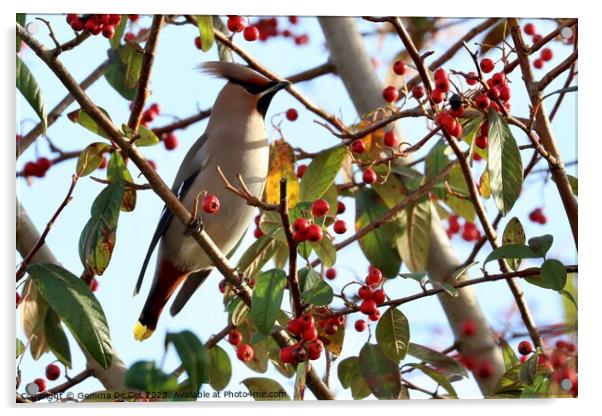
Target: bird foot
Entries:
(195, 226)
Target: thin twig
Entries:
(245, 194)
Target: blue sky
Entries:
(181, 91)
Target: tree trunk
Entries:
(348, 54)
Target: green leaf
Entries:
(349, 375)
(97, 239)
(77, 307)
(439, 378)
(132, 56)
(314, 290)
(300, 381)
(20, 348)
(393, 334)
(569, 296)
(321, 173)
(574, 182)
(265, 389)
(526, 375)
(494, 36)
(194, 357)
(145, 376)
(456, 275)
(449, 289)
(438, 360)
(512, 251)
(220, 368)
(267, 298)
(83, 119)
(21, 21)
(514, 234)
(27, 84)
(146, 137)
(460, 206)
(420, 277)
(205, 25)
(554, 274)
(436, 160)
(509, 382)
(510, 358)
(115, 74)
(380, 373)
(90, 158)
(56, 338)
(325, 251)
(505, 164)
(541, 245)
(116, 39)
(117, 170)
(378, 245)
(415, 242)
(257, 255)
(238, 311)
(539, 388)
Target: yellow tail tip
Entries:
(141, 332)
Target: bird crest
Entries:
(239, 74)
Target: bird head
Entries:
(244, 85)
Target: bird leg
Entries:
(197, 224)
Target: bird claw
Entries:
(195, 226)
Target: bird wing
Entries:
(191, 166)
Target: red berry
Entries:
(307, 321)
(43, 164)
(291, 114)
(505, 92)
(369, 176)
(77, 24)
(234, 337)
(155, 108)
(331, 274)
(94, 285)
(374, 316)
(390, 139)
(485, 369)
(197, 42)
(108, 31)
(454, 224)
(468, 327)
(92, 26)
(211, 204)
(340, 227)
(358, 146)
(30, 169)
(300, 225)
(299, 354)
(482, 101)
(481, 142)
(18, 298)
(476, 157)
(442, 85)
(330, 328)
(378, 296)
(309, 333)
(245, 352)
(320, 207)
(487, 65)
(258, 233)
(301, 171)
(457, 130)
(546, 54)
(314, 349)
(538, 63)
(71, 17)
(418, 92)
(301, 40)
(400, 67)
(293, 20)
(390, 94)
(368, 307)
(365, 292)
(41, 384)
(440, 74)
(114, 19)
(470, 233)
(52, 372)
(529, 29)
(170, 141)
(299, 237)
(558, 359)
(493, 93)
(437, 96)
(294, 327)
(314, 233)
(525, 347)
(340, 207)
(459, 112)
(130, 37)
(236, 24)
(374, 276)
(286, 355)
(360, 325)
(472, 78)
(251, 34)
(537, 38)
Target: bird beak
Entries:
(275, 86)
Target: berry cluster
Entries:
(498, 88)
(546, 54)
(37, 168)
(244, 352)
(470, 232)
(308, 346)
(94, 23)
(371, 295)
(150, 114)
(268, 28)
(538, 216)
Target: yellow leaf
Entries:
(484, 188)
(281, 165)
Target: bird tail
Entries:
(166, 281)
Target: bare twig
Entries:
(245, 194)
